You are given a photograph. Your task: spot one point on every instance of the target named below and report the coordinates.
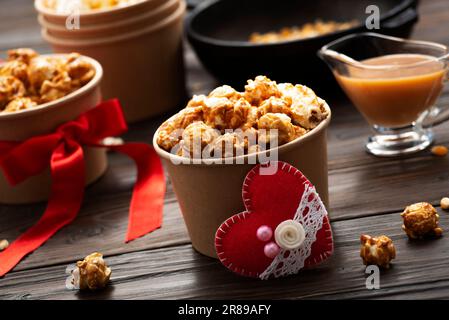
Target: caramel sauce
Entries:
(394, 97)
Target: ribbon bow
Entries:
(63, 151)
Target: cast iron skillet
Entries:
(218, 32)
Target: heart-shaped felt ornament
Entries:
(284, 229)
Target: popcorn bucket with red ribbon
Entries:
(53, 150)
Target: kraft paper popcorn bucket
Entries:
(143, 68)
(209, 194)
(44, 119)
(137, 22)
(101, 16)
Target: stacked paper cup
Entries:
(138, 45)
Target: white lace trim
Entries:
(291, 261)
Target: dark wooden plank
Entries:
(360, 185)
(179, 272)
(355, 192)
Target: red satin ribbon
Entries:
(63, 151)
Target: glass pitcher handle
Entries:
(437, 114)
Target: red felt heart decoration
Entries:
(285, 226)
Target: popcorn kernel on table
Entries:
(439, 151)
(444, 203)
(377, 250)
(92, 273)
(420, 220)
(4, 244)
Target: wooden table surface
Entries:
(367, 195)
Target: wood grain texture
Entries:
(179, 272)
(366, 195)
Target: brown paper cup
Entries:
(44, 119)
(208, 194)
(99, 16)
(138, 22)
(144, 69)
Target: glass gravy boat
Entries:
(394, 83)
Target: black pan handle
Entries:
(404, 18)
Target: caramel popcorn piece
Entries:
(307, 110)
(92, 273)
(22, 54)
(260, 89)
(171, 130)
(4, 244)
(197, 136)
(420, 220)
(439, 151)
(444, 203)
(197, 101)
(280, 122)
(225, 92)
(16, 69)
(58, 87)
(377, 250)
(20, 104)
(41, 69)
(222, 113)
(227, 145)
(10, 88)
(79, 70)
(275, 105)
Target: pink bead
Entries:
(264, 233)
(271, 250)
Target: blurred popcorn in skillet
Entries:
(377, 250)
(420, 220)
(27, 79)
(265, 110)
(308, 30)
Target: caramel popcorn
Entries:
(198, 130)
(22, 54)
(377, 250)
(439, 151)
(279, 121)
(10, 89)
(92, 273)
(66, 6)
(260, 89)
(227, 145)
(20, 104)
(420, 220)
(308, 30)
(27, 79)
(254, 116)
(444, 203)
(4, 244)
(16, 69)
